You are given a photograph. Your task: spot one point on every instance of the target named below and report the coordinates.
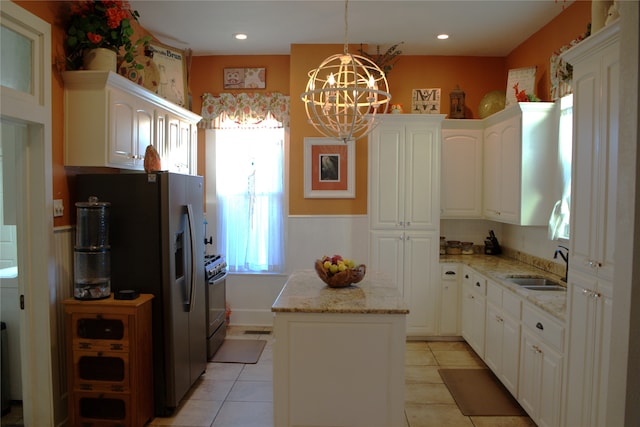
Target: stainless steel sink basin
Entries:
(537, 283)
(545, 288)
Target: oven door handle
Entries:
(217, 279)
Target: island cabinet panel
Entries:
(338, 353)
(109, 362)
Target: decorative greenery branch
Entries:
(387, 60)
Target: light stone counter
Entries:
(498, 268)
(304, 292)
(339, 353)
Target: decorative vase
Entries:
(100, 59)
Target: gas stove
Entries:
(214, 265)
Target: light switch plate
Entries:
(58, 208)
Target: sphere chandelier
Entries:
(345, 93)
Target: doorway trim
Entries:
(36, 257)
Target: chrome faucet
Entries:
(565, 258)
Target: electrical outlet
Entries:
(58, 208)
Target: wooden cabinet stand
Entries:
(109, 361)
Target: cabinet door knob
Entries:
(540, 326)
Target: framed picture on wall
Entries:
(329, 169)
(245, 78)
(172, 68)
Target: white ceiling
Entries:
(476, 27)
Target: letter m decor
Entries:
(425, 101)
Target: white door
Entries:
(25, 94)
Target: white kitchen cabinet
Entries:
(596, 83)
(180, 152)
(409, 258)
(449, 308)
(596, 86)
(404, 213)
(110, 121)
(502, 341)
(405, 173)
(588, 346)
(518, 145)
(461, 169)
(131, 130)
(540, 379)
(474, 303)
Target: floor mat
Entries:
(239, 351)
(479, 392)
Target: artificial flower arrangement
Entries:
(522, 96)
(102, 23)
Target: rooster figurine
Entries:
(151, 160)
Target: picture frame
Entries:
(425, 101)
(172, 67)
(245, 78)
(329, 169)
(526, 80)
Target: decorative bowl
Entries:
(341, 279)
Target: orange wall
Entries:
(287, 74)
(538, 48)
(206, 77)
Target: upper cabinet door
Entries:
(422, 174)
(404, 174)
(518, 174)
(461, 170)
(387, 177)
(596, 82)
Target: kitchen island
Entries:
(339, 353)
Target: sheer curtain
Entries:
(249, 188)
(249, 150)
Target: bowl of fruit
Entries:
(339, 272)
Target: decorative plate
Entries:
(148, 77)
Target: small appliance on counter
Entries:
(491, 245)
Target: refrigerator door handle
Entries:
(192, 241)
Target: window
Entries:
(559, 222)
(250, 198)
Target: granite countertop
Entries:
(498, 268)
(304, 292)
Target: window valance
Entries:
(244, 108)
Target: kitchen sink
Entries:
(536, 283)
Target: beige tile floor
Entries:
(237, 395)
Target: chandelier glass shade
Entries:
(344, 94)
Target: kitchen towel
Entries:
(479, 392)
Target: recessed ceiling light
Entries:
(240, 36)
(443, 36)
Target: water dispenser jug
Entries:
(92, 253)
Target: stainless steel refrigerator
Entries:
(156, 233)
